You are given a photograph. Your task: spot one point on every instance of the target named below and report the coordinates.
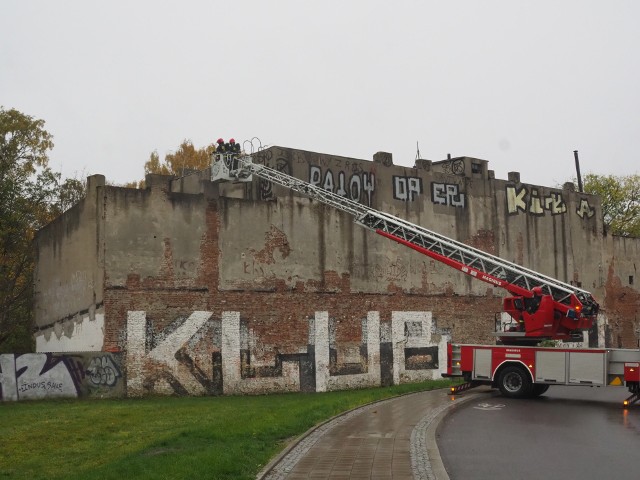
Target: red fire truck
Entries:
(539, 307)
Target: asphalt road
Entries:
(568, 433)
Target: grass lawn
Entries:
(165, 437)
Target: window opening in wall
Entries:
(476, 168)
(630, 279)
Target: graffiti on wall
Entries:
(453, 167)
(529, 200)
(239, 362)
(350, 358)
(103, 371)
(388, 269)
(357, 186)
(414, 350)
(406, 189)
(266, 187)
(524, 199)
(585, 210)
(187, 367)
(447, 194)
(57, 375)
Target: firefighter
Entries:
(534, 303)
(220, 148)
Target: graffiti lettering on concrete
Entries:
(103, 371)
(523, 199)
(49, 375)
(40, 375)
(280, 164)
(447, 194)
(584, 209)
(454, 167)
(406, 188)
(358, 186)
(392, 270)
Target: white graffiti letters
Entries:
(359, 187)
(447, 194)
(406, 188)
(585, 210)
(164, 352)
(520, 199)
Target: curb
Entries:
(429, 458)
(433, 452)
(329, 423)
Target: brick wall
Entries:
(246, 288)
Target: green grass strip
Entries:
(166, 437)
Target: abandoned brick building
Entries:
(194, 287)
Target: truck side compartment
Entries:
(521, 371)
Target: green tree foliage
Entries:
(620, 201)
(31, 194)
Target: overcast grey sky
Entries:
(521, 84)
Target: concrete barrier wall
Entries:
(37, 376)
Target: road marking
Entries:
(489, 406)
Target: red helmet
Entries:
(220, 140)
(537, 291)
(232, 141)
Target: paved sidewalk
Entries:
(392, 439)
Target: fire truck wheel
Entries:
(538, 389)
(514, 382)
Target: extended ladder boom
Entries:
(481, 265)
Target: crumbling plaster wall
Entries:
(553, 231)
(248, 288)
(621, 300)
(154, 236)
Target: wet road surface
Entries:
(568, 433)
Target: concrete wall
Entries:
(36, 376)
(622, 291)
(69, 275)
(535, 226)
(247, 288)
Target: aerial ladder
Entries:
(539, 307)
